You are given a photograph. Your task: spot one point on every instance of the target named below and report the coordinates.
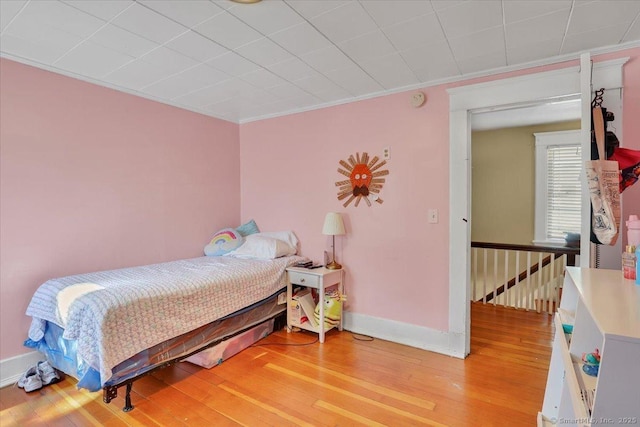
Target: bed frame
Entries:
(110, 392)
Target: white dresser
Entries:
(604, 310)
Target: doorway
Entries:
(498, 94)
(533, 88)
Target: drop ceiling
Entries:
(243, 62)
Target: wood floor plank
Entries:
(289, 379)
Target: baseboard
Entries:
(12, 368)
(404, 333)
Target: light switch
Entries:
(433, 216)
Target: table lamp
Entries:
(333, 226)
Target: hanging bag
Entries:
(603, 184)
(629, 164)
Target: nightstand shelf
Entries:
(320, 279)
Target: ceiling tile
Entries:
(391, 12)
(345, 22)
(292, 69)
(325, 60)
(355, 80)
(306, 100)
(473, 45)
(437, 70)
(148, 24)
(223, 4)
(601, 36)
(470, 17)
(232, 64)
(277, 107)
(633, 33)
(263, 78)
(196, 46)
(589, 16)
(316, 84)
(390, 71)
(260, 97)
(8, 11)
(371, 45)
(427, 56)
(312, 8)
(187, 12)
(123, 41)
(169, 60)
(202, 97)
(263, 52)
(533, 51)
(217, 93)
(280, 14)
(300, 39)
(42, 51)
(519, 10)
(173, 87)
(334, 94)
(136, 75)
(287, 91)
(45, 19)
(445, 4)
(92, 60)
(419, 31)
(103, 9)
(486, 61)
(205, 74)
(228, 30)
(548, 27)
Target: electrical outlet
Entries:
(433, 216)
(386, 153)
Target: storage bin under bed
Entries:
(217, 354)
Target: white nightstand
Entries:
(316, 278)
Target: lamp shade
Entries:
(333, 225)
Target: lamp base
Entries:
(333, 265)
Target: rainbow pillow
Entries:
(224, 241)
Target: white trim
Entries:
(422, 85)
(585, 137)
(12, 368)
(543, 140)
(496, 94)
(402, 333)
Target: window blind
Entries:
(564, 168)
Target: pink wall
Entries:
(631, 128)
(92, 179)
(95, 179)
(397, 263)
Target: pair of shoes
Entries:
(37, 376)
(47, 374)
(30, 380)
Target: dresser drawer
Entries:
(304, 279)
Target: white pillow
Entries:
(256, 246)
(286, 236)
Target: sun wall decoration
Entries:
(364, 181)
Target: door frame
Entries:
(531, 88)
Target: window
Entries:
(558, 185)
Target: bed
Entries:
(109, 328)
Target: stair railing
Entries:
(520, 276)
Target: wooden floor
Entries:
(344, 382)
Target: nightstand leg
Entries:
(321, 320)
